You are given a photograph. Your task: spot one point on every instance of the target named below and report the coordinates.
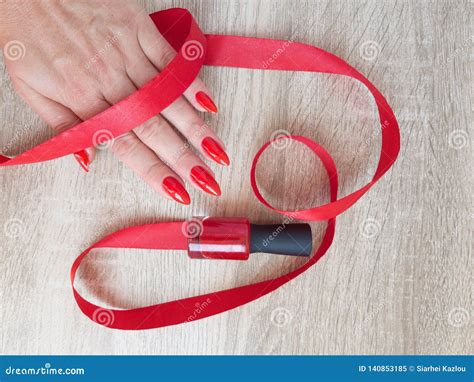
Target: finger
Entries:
(119, 89)
(86, 106)
(141, 159)
(160, 53)
(159, 136)
(140, 138)
(139, 68)
(181, 114)
(136, 155)
(58, 116)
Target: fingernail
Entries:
(205, 180)
(206, 102)
(83, 159)
(215, 151)
(175, 189)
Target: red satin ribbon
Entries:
(194, 50)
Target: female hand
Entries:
(81, 57)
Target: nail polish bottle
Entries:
(235, 238)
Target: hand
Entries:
(81, 57)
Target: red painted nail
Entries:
(83, 159)
(215, 151)
(176, 190)
(206, 102)
(205, 180)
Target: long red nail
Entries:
(176, 190)
(206, 102)
(205, 180)
(83, 159)
(215, 151)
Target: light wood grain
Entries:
(403, 288)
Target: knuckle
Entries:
(184, 155)
(97, 66)
(150, 129)
(78, 93)
(80, 96)
(166, 56)
(197, 130)
(61, 123)
(155, 172)
(80, 88)
(124, 145)
(177, 107)
(116, 88)
(108, 78)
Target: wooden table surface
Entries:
(398, 278)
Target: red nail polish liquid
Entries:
(218, 238)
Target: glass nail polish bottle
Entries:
(235, 238)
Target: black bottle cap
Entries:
(280, 239)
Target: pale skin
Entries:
(70, 73)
